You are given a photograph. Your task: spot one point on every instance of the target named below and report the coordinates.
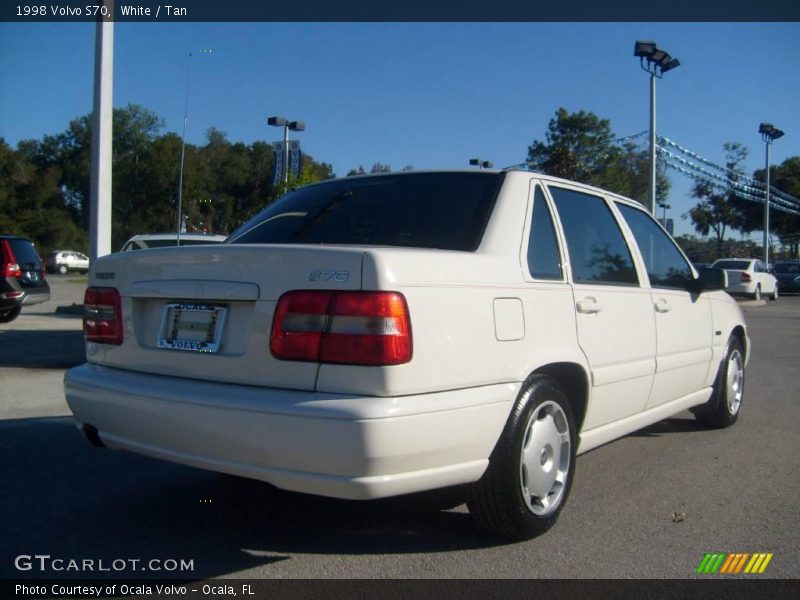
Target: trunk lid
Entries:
(205, 312)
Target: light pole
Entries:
(287, 126)
(665, 206)
(656, 62)
(481, 164)
(769, 133)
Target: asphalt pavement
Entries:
(647, 506)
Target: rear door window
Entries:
(598, 253)
(544, 259)
(424, 210)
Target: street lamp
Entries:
(769, 133)
(287, 126)
(481, 164)
(665, 206)
(656, 62)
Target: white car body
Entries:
(482, 324)
(748, 277)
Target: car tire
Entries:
(757, 293)
(774, 295)
(723, 408)
(62, 269)
(530, 472)
(9, 314)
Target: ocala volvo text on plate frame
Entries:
(193, 327)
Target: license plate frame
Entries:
(192, 327)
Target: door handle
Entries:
(589, 306)
(662, 306)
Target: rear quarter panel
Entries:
(475, 319)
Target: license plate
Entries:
(193, 327)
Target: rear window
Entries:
(740, 265)
(25, 254)
(423, 210)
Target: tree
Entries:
(32, 202)
(719, 211)
(577, 146)
(580, 147)
(376, 168)
(380, 168)
(786, 178)
(354, 172)
(706, 251)
(311, 172)
(713, 213)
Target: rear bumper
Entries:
(335, 445)
(9, 299)
(35, 298)
(744, 288)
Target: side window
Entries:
(666, 266)
(544, 260)
(597, 249)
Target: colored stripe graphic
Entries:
(729, 563)
(734, 563)
(704, 563)
(759, 563)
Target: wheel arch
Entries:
(575, 381)
(739, 333)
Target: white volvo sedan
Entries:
(374, 336)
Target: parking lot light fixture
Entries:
(287, 127)
(769, 133)
(666, 207)
(480, 163)
(655, 61)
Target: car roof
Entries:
(739, 259)
(513, 171)
(172, 236)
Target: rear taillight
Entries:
(10, 266)
(12, 270)
(102, 315)
(352, 328)
(745, 277)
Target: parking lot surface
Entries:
(650, 505)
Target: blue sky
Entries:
(427, 94)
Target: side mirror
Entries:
(710, 280)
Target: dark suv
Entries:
(21, 277)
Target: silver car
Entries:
(63, 261)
